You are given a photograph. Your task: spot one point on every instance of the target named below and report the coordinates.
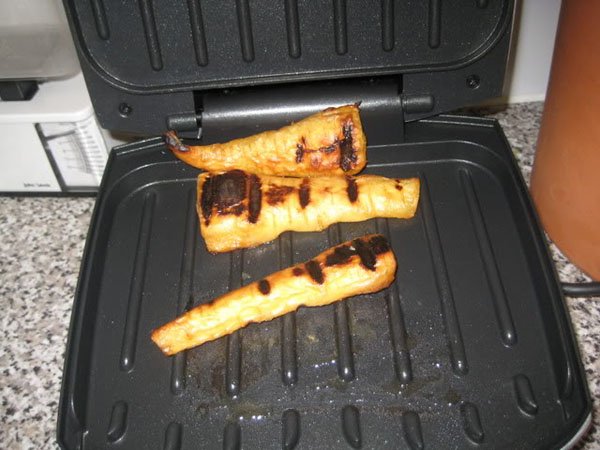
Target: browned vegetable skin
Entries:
(355, 267)
(238, 210)
(329, 142)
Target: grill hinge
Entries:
(228, 114)
(185, 123)
(418, 104)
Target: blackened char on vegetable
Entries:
(231, 192)
(367, 251)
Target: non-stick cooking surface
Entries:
(470, 347)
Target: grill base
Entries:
(470, 345)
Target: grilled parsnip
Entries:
(238, 209)
(326, 143)
(355, 267)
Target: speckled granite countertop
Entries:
(41, 242)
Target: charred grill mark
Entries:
(379, 244)
(228, 190)
(235, 210)
(340, 255)
(297, 271)
(225, 192)
(348, 155)
(314, 270)
(365, 253)
(264, 287)
(276, 194)
(304, 193)
(299, 153)
(352, 189)
(254, 198)
(206, 199)
(301, 150)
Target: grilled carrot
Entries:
(355, 267)
(238, 209)
(329, 142)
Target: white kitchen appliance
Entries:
(51, 143)
(49, 138)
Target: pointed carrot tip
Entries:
(174, 143)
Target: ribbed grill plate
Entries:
(469, 346)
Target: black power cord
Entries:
(591, 289)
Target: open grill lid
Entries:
(148, 64)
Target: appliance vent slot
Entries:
(100, 19)
(186, 291)
(435, 23)
(198, 35)
(525, 398)
(151, 34)
(387, 25)
(289, 361)
(351, 425)
(233, 357)
(458, 356)
(291, 428)
(232, 436)
(245, 25)
(292, 22)
(118, 422)
(136, 288)
(233, 373)
(412, 430)
(289, 365)
(398, 333)
(178, 373)
(482, 3)
(173, 437)
(472, 422)
(488, 260)
(340, 26)
(345, 359)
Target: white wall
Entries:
(532, 46)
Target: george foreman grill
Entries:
(471, 347)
